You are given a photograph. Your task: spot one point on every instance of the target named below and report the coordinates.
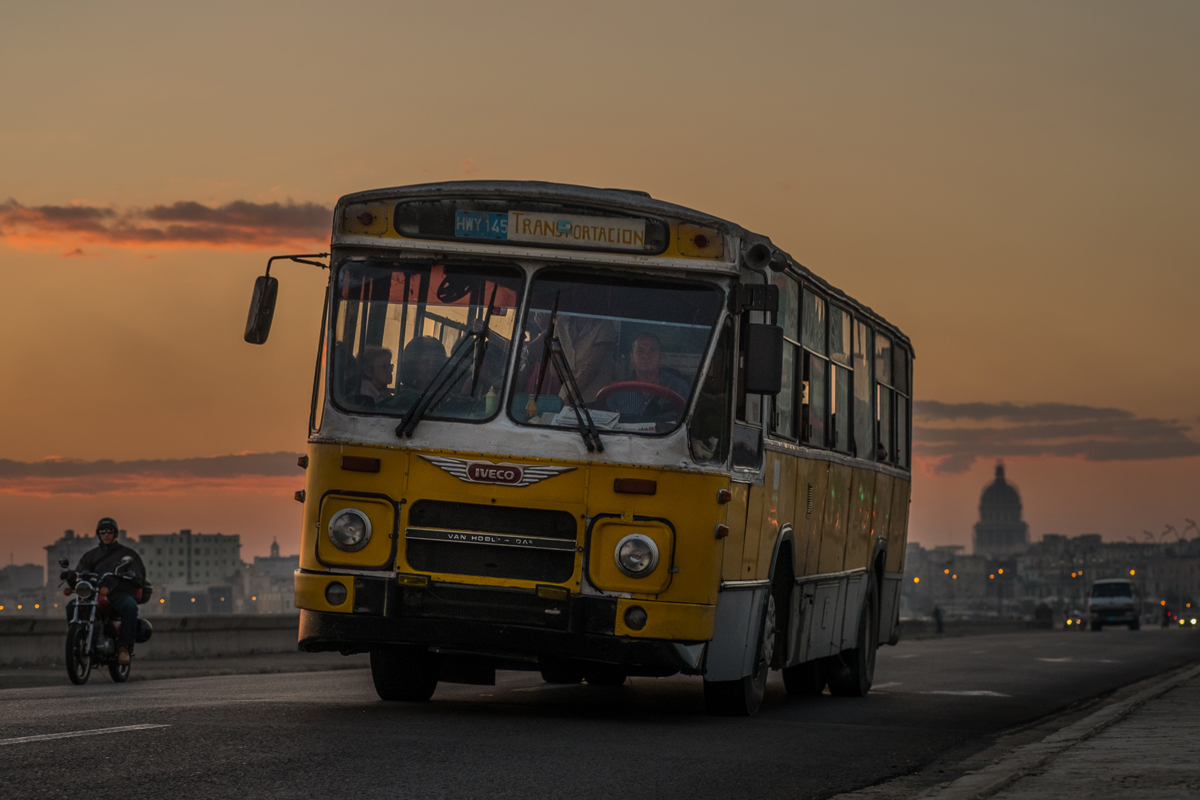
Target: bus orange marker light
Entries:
(300, 495)
(722, 531)
(413, 580)
(724, 496)
(366, 218)
(701, 241)
(302, 462)
(635, 486)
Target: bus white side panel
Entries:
(856, 589)
(889, 608)
(735, 635)
(823, 619)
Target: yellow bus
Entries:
(594, 434)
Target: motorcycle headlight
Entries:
(350, 530)
(85, 590)
(636, 555)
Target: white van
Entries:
(1115, 601)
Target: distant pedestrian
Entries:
(1166, 616)
(937, 618)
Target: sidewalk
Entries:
(154, 669)
(1151, 753)
(1140, 747)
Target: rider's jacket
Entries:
(103, 559)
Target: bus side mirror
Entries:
(262, 309)
(764, 359)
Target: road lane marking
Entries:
(1057, 660)
(885, 685)
(45, 737)
(970, 693)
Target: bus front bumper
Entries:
(513, 628)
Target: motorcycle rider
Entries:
(107, 558)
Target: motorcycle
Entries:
(93, 629)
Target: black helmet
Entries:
(106, 523)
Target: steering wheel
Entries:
(675, 400)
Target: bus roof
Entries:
(624, 200)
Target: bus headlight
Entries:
(350, 530)
(636, 555)
(85, 590)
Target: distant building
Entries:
(186, 558)
(1000, 532)
(18, 578)
(276, 567)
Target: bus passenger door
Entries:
(745, 510)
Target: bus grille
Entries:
(518, 563)
(493, 519)
(485, 605)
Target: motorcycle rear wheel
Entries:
(118, 672)
(79, 659)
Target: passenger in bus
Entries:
(590, 345)
(645, 361)
(423, 357)
(376, 363)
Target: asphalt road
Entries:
(327, 735)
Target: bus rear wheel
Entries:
(857, 671)
(404, 673)
(742, 698)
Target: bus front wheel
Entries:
(742, 698)
(404, 673)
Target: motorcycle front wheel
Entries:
(79, 659)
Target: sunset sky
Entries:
(1013, 184)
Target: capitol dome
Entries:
(1000, 531)
(1000, 501)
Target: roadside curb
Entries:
(1033, 757)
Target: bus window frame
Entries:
(394, 258)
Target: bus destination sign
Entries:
(570, 230)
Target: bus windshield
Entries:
(633, 346)
(400, 325)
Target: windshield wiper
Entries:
(552, 352)
(450, 374)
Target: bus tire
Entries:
(853, 677)
(404, 673)
(743, 698)
(805, 679)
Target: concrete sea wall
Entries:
(38, 640)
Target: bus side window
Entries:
(709, 429)
(783, 416)
(884, 406)
(864, 412)
(815, 387)
(839, 380)
(902, 379)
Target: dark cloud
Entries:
(954, 435)
(249, 464)
(184, 223)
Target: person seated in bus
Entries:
(376, 365)
(423, 357)
(590, 345)
(645, 362)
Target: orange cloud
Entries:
(181, 224)
(248, 472)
